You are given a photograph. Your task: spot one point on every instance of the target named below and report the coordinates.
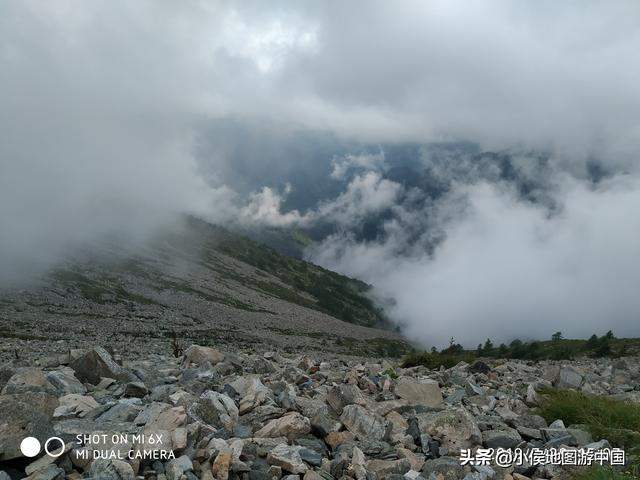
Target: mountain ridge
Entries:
(202, 283)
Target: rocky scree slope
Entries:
(227, 415)
(200, 283)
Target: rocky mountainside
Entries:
(215, 414)
(198, 283)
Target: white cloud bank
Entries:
(510, 269)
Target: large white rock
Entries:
(456, 428)
(568, 378)
(419, 392)
(224, 407)
(75, 404)
(291, 425)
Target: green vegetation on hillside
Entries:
(101, 290)
(330, 292)
(109, 289)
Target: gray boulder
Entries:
(385, 468)
(123, 411)
(111, 470)
(473, 389)
(419, 392)
(28, 380)
(568, 378)
(503, 438)
(178, 467)
(51, 472)
(445, 468)
(456, 427)
(342, 395)
(24, 414)
(287, 458)
(65, 382)
(362, 423)
(97, 363)
(135, 389)
(218, 410)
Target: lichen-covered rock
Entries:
(342, 395)
(65, 382)
(76, 405)
(23, 414)
(288, 458)
(98, 363)
(218, 409)
(111, 470)
(419, 392)
(568, 378)
(385, 468)
(177, 467)
(28, 380)
(222, 464)
(503, 438)
(444, 468)
(291, 425)
(362, 423)
(455, 428)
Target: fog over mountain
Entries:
(476, 162)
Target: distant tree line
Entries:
(558, 348)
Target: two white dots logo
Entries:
(30, 447)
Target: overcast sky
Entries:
(117, 116)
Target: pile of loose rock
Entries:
(230, 415)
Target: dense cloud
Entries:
(95, 124)
(117, 117)
(509, 268)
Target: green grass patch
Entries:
(391, 373)
(604, 473)
(615, 420)
(435, 360)
(605, 418)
